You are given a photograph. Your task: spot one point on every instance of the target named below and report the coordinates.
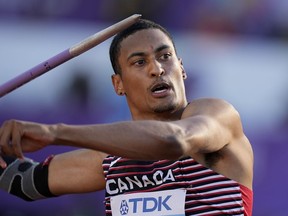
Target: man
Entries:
(174, 158)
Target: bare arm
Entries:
(210, 131)
(78, 171)
(207, 125)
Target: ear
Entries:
(184, 75)
(117, 83)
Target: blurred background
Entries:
(235, 50)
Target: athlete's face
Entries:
(152, 75)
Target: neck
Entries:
(161, 116)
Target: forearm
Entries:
(136, 140)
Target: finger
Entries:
(16, 143)
(3, 164)
(5, 136)
(1, 134)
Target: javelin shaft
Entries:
(66, 55)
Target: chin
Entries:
(165, 108)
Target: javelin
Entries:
(67, 54)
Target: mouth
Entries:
(160, 89)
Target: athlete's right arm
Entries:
(77, 171)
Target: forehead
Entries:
(145, 40)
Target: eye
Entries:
(139, 62)
(165, 56)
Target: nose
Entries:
(156, 69)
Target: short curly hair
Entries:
(115, 46)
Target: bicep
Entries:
(78, 171)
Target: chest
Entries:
(126, 176)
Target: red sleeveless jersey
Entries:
(207, 192)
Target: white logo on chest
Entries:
(119, 185)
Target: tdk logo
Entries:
(145, 205)
(124, 208)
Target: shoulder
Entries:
(228, 143)
(216, 110)
(209, 106)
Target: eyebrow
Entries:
(158, 49)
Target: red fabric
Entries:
(247, 195)
(47, 161)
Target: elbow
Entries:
(174, 147)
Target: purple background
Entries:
(236, 50)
